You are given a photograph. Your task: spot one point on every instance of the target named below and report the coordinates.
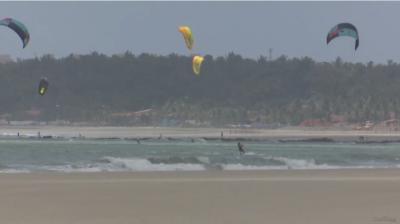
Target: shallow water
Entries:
(68, 155)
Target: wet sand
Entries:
(286, 196)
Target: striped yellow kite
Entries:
(187, 35)
(197, 60)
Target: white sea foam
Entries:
(250, 153)
(204, 159)
(287, 163)
(15, 171)
(239, 166)
(303, 163)
(9, 134)
(139, 164)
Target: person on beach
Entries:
(240, 148)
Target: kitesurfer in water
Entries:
(240, 148)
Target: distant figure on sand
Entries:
(240, 148)
(222, 134)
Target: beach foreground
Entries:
(291, 196)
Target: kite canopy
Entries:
(18, 27)
(343, 29)
(187, 35)
(43, 86)
(197, 61)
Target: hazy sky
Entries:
(295, 29)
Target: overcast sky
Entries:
(295, 29)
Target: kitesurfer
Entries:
(240, 148)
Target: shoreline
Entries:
(214, 174)
(212, 134)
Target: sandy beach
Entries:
(309, 197)
(212, 133)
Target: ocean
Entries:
(80, 155)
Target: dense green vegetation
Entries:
(230, 89)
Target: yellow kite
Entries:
(197, 60)
(187, 35)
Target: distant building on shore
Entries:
(5, 58)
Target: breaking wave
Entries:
(201, 163)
